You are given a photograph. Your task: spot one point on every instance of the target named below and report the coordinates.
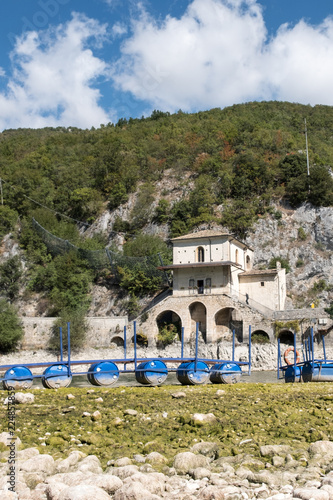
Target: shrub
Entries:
(10, 274)
(260, 338)
(78, 329)
(11, 331)
(167, 334)
(284, 263)
(301, 234)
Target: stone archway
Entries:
(198, 314)
(286, 337)
(227, 320)
(260, 337)
(118, 341)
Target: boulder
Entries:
(155, 457)
(73, 458)
(210, 450)
(178, 395)
(90, 464)
(153, 482)
(39, 463)
(321, 448)
(311, 494)
(83, 492)
(121, 462)
(27, 453)
(186, 461)
(275, 449)
(123, 472)
(200, 419)
(134, 491)
(24, 398)
(6, 438)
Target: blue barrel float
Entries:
(17, 377)
(56, 376)
(152, 372)
(317, 372)
(103, 373)
(293, 374)
(225, 373)
(189, 374)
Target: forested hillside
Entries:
(227, 168)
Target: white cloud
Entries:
(218, 54)
(53, 78)
(118, 29)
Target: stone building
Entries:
(215, 285)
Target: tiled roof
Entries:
(207, 233)
(259, 272)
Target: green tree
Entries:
(78, 328)
(11, 331)
(8, 219)
(238, 216)
(284, 263)
(10, 275)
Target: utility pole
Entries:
(307, 154)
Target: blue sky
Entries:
(87, 62)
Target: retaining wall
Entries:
(37, 331)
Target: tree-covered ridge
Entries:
(238, 153)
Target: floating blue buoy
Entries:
(291, 375)
(56, 376)
(225, 373)
(188, 375)
(103, 373)
(317, 372)
(152, 372)
(17, 377)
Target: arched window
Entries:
(200, 254)
(248, 262)
(236, 256)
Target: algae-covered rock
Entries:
(6, 438)
(199, 419)
(123, 461)
(186, 461)
(155, 457)
(275, 449)
(178, 395)
(208, 449)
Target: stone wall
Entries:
(37, 331)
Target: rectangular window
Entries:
(208, 286)
(191, 285)
(262, 283)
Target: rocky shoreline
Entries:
(282, 473)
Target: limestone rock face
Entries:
(310, 258)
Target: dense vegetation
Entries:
(229, 164)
